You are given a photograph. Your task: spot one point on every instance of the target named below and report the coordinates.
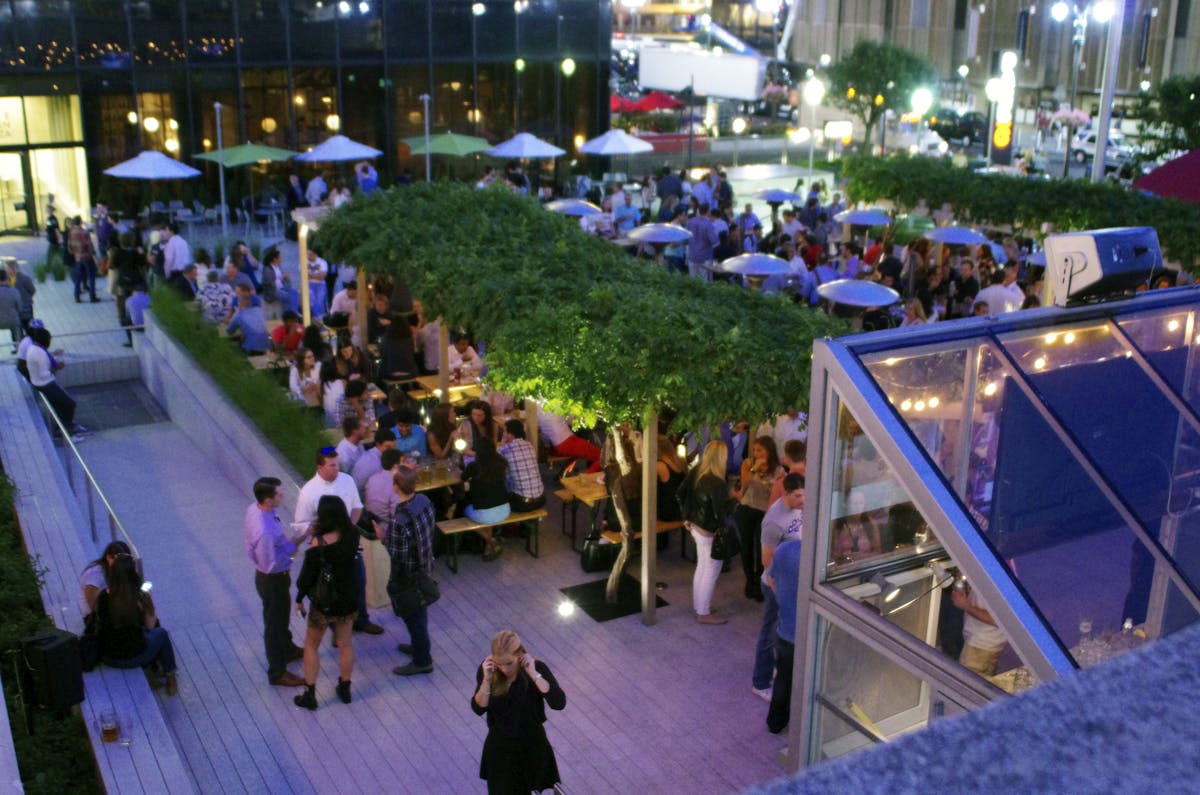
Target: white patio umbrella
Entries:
(755, 265)
(659, 236)
(616, 142)
(337, 149)
(863, 218)
(955, 236)
(152, 165)
(573, 207)
(856, 292)
(524, 145)
(777, 196)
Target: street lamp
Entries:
(738, 125)
(1114, 14)
(519, 7)
(1101, 11)
(633, 6)
(922, 101)
(814, 92)
(477, 10)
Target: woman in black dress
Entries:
(127, 628)
(512, 690)
(334, 540)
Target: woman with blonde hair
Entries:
(512, 689)
(704, 499)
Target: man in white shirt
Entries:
(370, 462)
(793, 425)
(783, 521)
(42, 367)
(1003, 294)
(430, 338)
(176, 252)
(329, 480)
(465, 364)
(790, 226)
(350, 448)
(316, 190)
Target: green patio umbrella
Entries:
(448, 144)
(247, 154)
(906, 229)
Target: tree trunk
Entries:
(619, 463)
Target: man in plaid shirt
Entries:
(409, 540)
(526, 492)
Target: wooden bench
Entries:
(454, 528)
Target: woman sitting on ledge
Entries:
(128, 631)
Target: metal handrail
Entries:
(114, 524)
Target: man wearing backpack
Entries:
(329, 480)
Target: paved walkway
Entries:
(661, 709)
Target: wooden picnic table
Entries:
(437, 476)
(458, 391)
(588, 489)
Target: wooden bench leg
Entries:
(531, 528)
(452, 557)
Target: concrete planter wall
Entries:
(200, 408)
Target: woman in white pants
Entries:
(705, 501)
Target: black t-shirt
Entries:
(486, 492)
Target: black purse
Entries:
(410, 592)
(597, 556)
(726, 543)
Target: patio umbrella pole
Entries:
(224, 209)
(428, 154)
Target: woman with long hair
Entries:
(94, 577)
(753, 493)
(512, 689)
(397, 349)
(480, 424)
(705, 502)
(314, 340)
(272, 267)
(487, 492)
(350, 361)
(333, 387)
(671, 471)
(440, 434)
(127, 629)
(334, 543)
(304, 380)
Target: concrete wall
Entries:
(199, 407)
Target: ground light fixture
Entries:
(568, 67)
(566, 608)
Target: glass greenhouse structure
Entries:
(1044, 463)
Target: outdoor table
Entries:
(438, 475)
(272, 210)
(428, 386)
(590, 490)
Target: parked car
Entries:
(919, 141)
(969, 127)
(1117, 150)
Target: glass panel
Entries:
(12, 193)
(927, 391)
(53, 119)
(860, 693)
(210, 28)
(872, 519)
(62, 172)
(12, 122)
(1062, 540)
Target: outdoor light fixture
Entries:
(738, 125)
(150, 124)
(963, 71)
(333, 122)
(364, 7)
(478, 9)
(825, 59)
(566, 608)
(172, 125)
(268, 125)
(172, 145)
(519, 64)
(922, 101)
(132, 117)
(568, 67)
(298, 100)
(681, 450)
(1103, 11)
(344, 7)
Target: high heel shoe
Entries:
(343, 690)
(307, 699)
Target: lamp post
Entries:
(519, 7)
(425, 102)
(1112, 55)
(1102, 11)
(221, 173)
(477, 10)
(738, 125)
(633, 6)
(814, 92)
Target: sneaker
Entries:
(412, 669)
(763, 693)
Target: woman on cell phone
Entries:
(512, 689)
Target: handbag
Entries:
(410, 592)
(726, 543)
(597, 556)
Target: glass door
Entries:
(13, 214)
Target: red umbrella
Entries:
(1178, 178)
(657, 100)
(618, 104)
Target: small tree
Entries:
(874, 78)
(1171, 116)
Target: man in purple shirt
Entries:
(700, 247)
(272, 551)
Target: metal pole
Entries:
(305, 298)
(425, 102)
(1078, 34)
(91, 511)
(1112, 58)
(691, 122)
(474, 71)
(812, 137)
(221, 172)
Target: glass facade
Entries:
(998, 501)
(289, 73)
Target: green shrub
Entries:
(58, 266)
(41, 270)
(57, 758)
(285, 423)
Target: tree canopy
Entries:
(573, 319)
(1171, 116)
(1024, 203)
(875, 77)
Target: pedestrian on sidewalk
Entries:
(10, 309)
(272, 551)
(83, 255)
(42, 367)
(25, 286)
(327, 579)
(409, 540)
